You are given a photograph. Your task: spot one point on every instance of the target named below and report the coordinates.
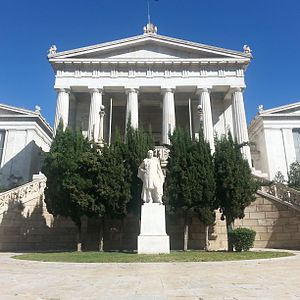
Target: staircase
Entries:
(24, 193)
(279, 192)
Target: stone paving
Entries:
(261, 279)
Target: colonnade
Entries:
(95, 128)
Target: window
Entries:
(296, 137)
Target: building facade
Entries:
(24, 137)
(157, 81)
(275, 135)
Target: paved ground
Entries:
(262, 279)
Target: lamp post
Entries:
(101, 131)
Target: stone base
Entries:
(153, 244)
(153, 238)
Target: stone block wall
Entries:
(27, 226)
(276, 225)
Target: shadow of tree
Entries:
(29, 227)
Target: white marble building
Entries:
(162, 82)
(275, 135)
(24, 136)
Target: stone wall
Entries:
(27, 226)
(276, 225)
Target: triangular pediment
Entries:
(7, 110)
(149, 47)
(288, 110)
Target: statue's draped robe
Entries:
(152, 176)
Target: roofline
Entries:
(150, 60)
(279, 108)
(150, 37)
(29, 114)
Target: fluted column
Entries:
(94, 116)
(168, 118)
(62, 108)
(208, 128)
(240, 123)
(132, 107)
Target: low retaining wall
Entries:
(27, 226)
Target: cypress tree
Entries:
(203, 184)
(68, 193)
(235, 186)
(190, 180)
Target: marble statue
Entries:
(151, 174)
(52, 49)
(247, 49)
(260, 109)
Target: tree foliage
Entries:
(190, 178)
(235, 186)
(68, 193)
(294, 175)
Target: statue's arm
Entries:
(141, 170)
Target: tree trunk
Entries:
(121, 234)
(230, 226)
(206, 248)
(101, 240)
(79, 243)
(185, 233)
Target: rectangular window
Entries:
(2, 136)
(296, 137)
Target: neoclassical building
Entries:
(159, 81)
(275, 137)
(24, 137)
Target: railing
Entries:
(162, 153)
(280, 191)
(283, 192)
(30, 190)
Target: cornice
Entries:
(156, 38)
(150, 61)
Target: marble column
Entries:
(94, 116)
(240, 123)
(62, 108)
(207, 122)
(132, 107)
(168, 117)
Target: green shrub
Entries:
(242, 239)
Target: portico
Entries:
(158, 82)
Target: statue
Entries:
(151, 174)
(247, 49)
(52, 49)
(260, 109)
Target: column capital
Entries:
(167, 90)
(96, 90)
(237, 89)
(131, 90)
(63, 90)
(202, 89)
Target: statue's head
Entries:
(150, 154)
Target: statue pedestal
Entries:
(153, 238)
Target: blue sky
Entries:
(28, 28)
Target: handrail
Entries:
(33, 188)
(284, 193)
